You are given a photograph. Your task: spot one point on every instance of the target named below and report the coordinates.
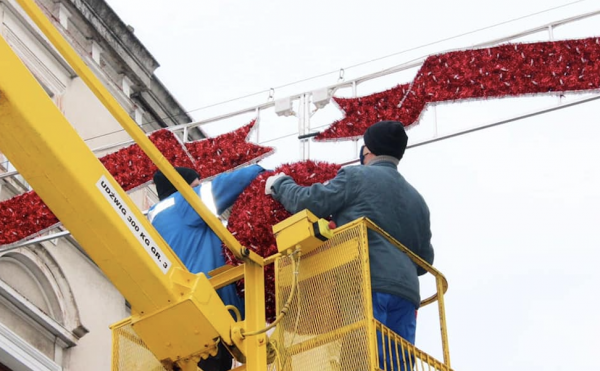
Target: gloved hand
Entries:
(270, 181)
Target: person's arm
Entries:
(225, 190)
(188, 214)
(426, 253)
(227, 187)
(322, 200)
(426, 249)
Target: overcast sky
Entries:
(515, 209)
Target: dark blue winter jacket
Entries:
(380, 193)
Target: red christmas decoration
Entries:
(130, 166)
(506, 70)
(26, 215)
(226, 152)
(23, 216)
(254, 214)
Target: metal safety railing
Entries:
(397, 354)
(330, 323)
(355, 83)
(304, 98)
(441, 284)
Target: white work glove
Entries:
(270, 181)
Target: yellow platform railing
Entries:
(330, 325)
(400, 355)
(441, 284)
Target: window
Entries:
(126, 86)
(138, 116)
(23, 275)
(63, 16)
(42, 316)
(96, 51)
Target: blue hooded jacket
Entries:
(196, 245)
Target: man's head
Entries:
(164, 188)
(385, 138)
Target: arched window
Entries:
(23, 275)
(38, 315)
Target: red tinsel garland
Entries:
(26, 215)
(254, 214)
(131, 167)
(506, 70)
(217, 155)
(23, 216)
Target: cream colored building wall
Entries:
(56, 306)
(99, 305)
(84, 111)
(27, 330)
(37, 54)
(90, 118)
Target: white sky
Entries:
(515, 209)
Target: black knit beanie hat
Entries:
(164, 188)
(386, 138)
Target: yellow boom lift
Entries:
(177, 317)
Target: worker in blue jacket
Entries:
(379, 192)
(196, 245)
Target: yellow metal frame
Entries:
(302, 229)
(337, 306)
(88, 201)
(136, 133)
(440, 281)
(334, 266)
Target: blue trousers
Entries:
(400, 316)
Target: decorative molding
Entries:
(51, 83)
(19, 355)
(15, 11)
(63, 16)
(96, 52)
(138, 116)
(115, 33)
(126, 85)
(34, 313)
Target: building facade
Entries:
(55, 304)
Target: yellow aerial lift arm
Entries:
(176, 313)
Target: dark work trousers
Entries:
(221, 362)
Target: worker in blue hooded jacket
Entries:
(379, 192)
(196, 245)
